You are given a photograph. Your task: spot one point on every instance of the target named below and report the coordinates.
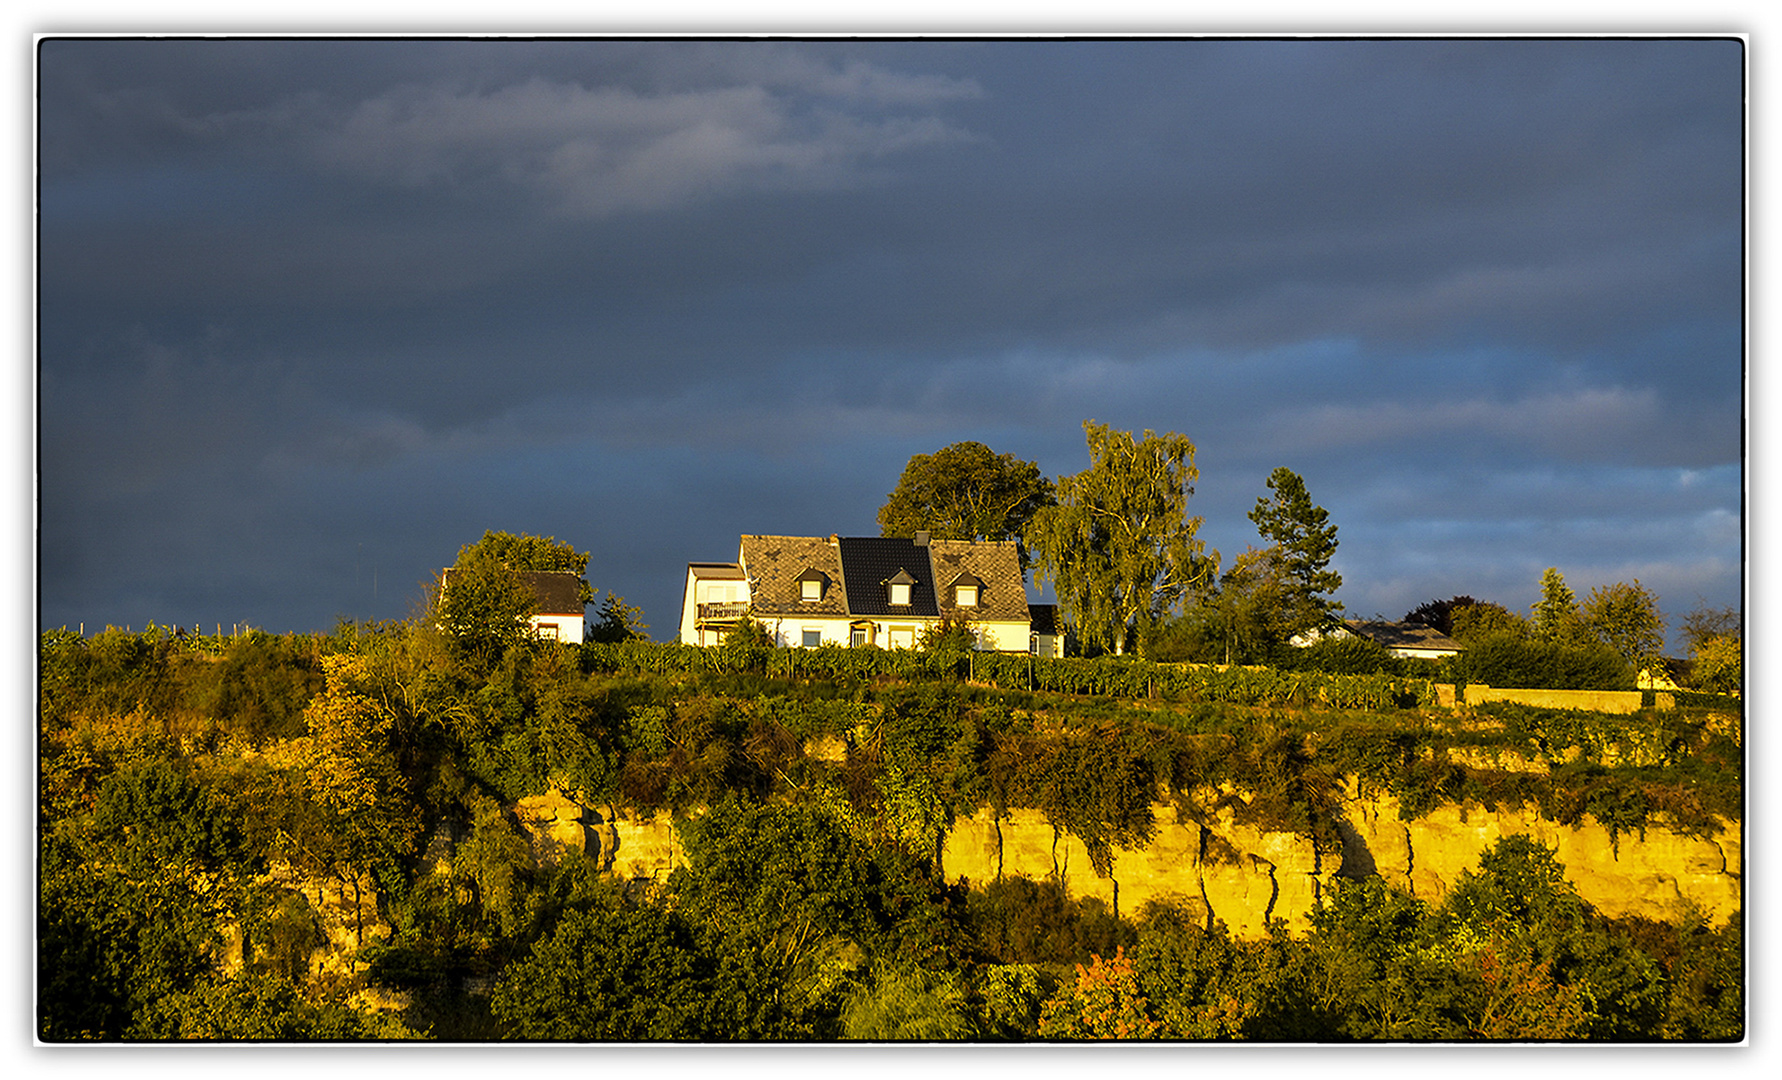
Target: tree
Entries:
(1706, 623)
(1248, 613)
(1119, 544)
(966, 491)
(1715, 640)
(1481, 619)
(1555, 615)
(1106, 1003)
(620, 971)
(907, 1003)
(484, 602)
(1306, 541)
(1626, 618)
(1439, 615)
(619, 621)
(1719, 665)
(358, 816)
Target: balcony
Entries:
(724, 612)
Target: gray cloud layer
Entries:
(315, 310)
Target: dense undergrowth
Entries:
(177, 773)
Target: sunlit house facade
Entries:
(884, 591)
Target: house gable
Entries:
(777, 566)
(994, 567)
(1402, 639)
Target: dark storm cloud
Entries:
(309, 306)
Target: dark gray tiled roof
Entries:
(773, 565)
(558, 592)
(1003, 597)
(1402, 635)
(870, 561)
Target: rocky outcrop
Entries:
(1243, 876)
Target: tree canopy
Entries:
(1555, 614)
(1626, 618)
(1305, 540)
(966, 491)
(484, 601)
(1119, 545)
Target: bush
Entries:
(1344, 656)
(1509, 660)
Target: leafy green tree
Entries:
(1481, 619)
(618, 622)
(1119, 545)
(1200, 983)
(117, 928)
(1626, 618)
(1439, 614)
(356, 816)
(619, 971)
(1550, 967)
(1306, 540)
(1371, 970)
(905, 1003)
(1706, 623)
(1719, 665)
(484, 602)
(1714, 639)
(263, 1008)
(1251, 609)
(966, 491)
(495, 856)
(789, 902)
(1555, 614)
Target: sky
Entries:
(313, 314)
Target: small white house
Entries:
(561, 613)
(1402, 639)
(836, 590)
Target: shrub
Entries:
(1509, 660)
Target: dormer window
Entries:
(966, 588)
(897, 589)
(810, 586)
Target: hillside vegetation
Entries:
(198, 793)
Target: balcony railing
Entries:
(734, 609)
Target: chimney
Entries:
(922, 538)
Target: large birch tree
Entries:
(1119, 546)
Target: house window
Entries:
(903, 637)
(966, 596)
(860, 635)
(548, 631)
(812, 638)
(810, 589)
(900, 593)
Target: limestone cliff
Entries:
(1244, 877)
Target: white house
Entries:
(853, 590)
(560, 610)
(1402, 639)
(560, 614)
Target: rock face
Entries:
(1242, 876)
